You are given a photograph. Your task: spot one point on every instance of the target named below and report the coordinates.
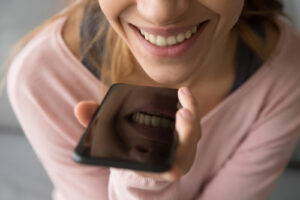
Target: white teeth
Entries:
(154, 121)
(146, 35)
(188, 34)
(169, 41)
(136, 117)
(152, 38)
(194, 29)
(141, 118)
(180, 37)
(147, 120)
(161, 41)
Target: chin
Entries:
(168, 71)
(166, 77)
(168, 81)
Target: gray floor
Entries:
(21, 173)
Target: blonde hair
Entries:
(112, 70)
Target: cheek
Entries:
(112, 10)
(228, 12)
(108, 8)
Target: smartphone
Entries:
(133, 128)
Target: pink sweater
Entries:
(247, 139)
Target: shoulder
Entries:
(285, 61)
(45, 69)
(51, 49)
(37, 55)
(278, 90)
(274, 89)
(288, 48)
(35, 59)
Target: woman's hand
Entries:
(187, 126)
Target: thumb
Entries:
(84, 111)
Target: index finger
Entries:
(188, 101)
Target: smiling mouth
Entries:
(162, 41)
(169, 42)
(147, 119)
(171, 39)
(155, 127)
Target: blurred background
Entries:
(21, 173)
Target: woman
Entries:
(235, 62)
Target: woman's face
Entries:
(173, 39)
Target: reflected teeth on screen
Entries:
(150, 120)
(147, 120)
(155, 121)
(141, 118)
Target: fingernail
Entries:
(186, 114)
(186, 91)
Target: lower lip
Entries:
(170, 51)
(167, 111)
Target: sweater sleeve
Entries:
(43, 105)
(253, 169)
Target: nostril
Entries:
(142, 150)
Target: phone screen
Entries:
(133, 128)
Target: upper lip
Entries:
(166, 111)
(167, 31)
(156, 104)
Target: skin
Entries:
(203, 59)
(207, 68)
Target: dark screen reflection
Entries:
(134, 123)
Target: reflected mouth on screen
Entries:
(157, 127)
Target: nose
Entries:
(162, 12)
